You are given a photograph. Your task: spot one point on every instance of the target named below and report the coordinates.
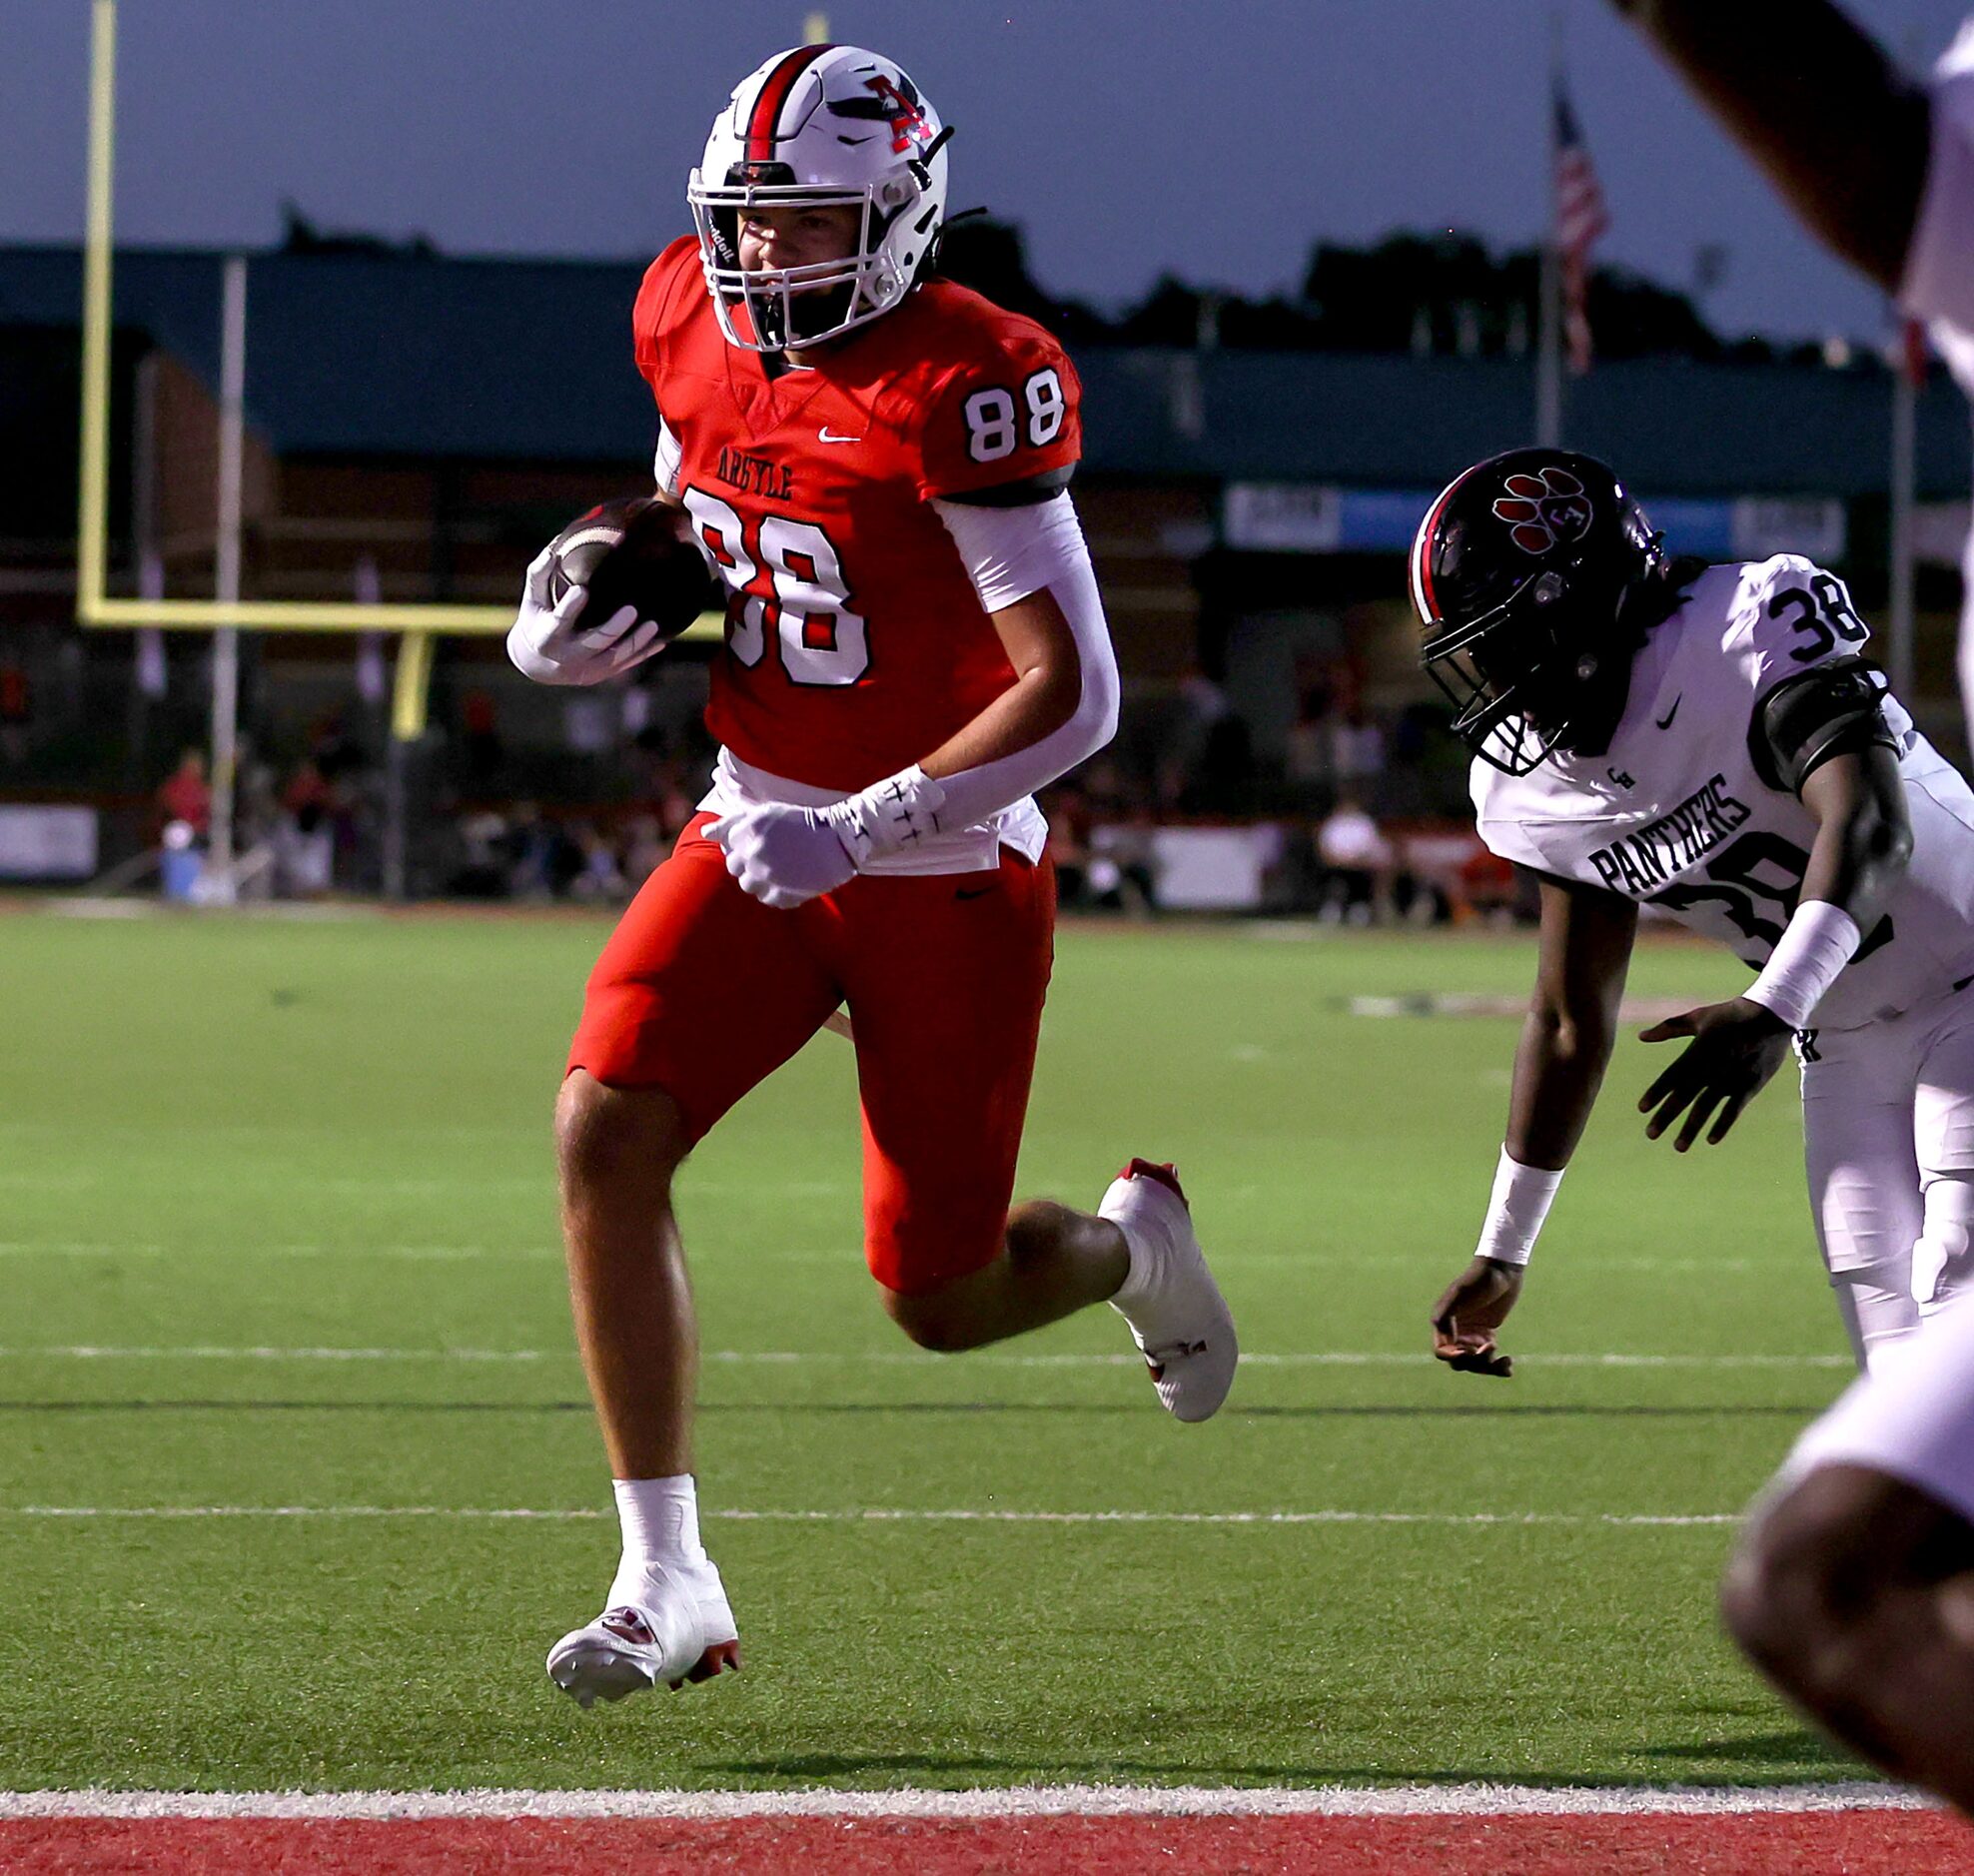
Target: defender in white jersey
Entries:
(1707, 740)
(1853, 1585)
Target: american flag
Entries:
(1579, 220)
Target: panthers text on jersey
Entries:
(855, 644)
(1675, 812)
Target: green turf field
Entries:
(231, 1146)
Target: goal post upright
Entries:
(92, 528)
(419, 622)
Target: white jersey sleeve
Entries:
(1939, 266)
(1788, 617)
(665, 461)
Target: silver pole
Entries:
(1549, 354)
(1549, 348)
(1906, 428)
(226, 640)
(148, 648)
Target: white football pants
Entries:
(1913, 1416)
(1888, 1143)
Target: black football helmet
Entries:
(1531, 576)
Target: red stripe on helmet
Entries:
(766, 114)
(1421, 550)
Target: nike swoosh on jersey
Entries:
(824, 435)
(1665, 721)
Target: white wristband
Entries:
(1818, 941)
(888, 816)
(1515, 1210)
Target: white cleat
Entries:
(1178, 1317)
(667, 1624)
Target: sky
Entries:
(1214, 141)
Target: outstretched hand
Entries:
(1465, 1317)
(1736, 1046)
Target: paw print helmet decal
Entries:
(1529, 575)
(1543, 510)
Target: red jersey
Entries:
(855, 644)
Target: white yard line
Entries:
(196, 1352)
(412, 1252)
(875, 1357)
(885, 1515)
(1465, 1800)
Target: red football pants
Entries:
(703, 992)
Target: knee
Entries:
(1941, 1264)
(1876, 1304)
(607, 1135)
(934, 1321)
(1799, 1592)
(1766, 1593)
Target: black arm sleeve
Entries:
(1020, 494)
(1800, 723)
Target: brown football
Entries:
(637, 552)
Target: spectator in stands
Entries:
(1068, 810)
(598, 878)
(16, 713)
(334, 750)
(304, 841)
(1490, 889)
(480, 747)
(185, 796)
(531, 843)
(1357, 746)
(1358, 864)
(1123, 873)
(674, 802)
(1307, 753)
(1210, 767)
(483, 864)
(646, 844)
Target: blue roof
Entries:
(432, 356)
(358, 355)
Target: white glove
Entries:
(783, 855)
(545, 644)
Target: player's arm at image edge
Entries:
(1824, 737)
(1031, 568)
(1584, 954)
(1840, 131)
(1567, 1041)
(1016, 529)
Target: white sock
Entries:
(661, 1519)
(1140, 1282)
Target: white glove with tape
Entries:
(786, 856)
(545, 644)
(783, 855)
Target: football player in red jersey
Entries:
(876, 461)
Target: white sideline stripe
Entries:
(1016, 1801)
(410, 1253)
(883, 1515)
(889, 1358)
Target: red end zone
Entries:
(1859, 1842)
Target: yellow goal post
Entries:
(418, 621)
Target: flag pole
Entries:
(225, 639)
(1549, 349)
(1908, 374)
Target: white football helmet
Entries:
(820, 126)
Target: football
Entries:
(639, 552)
